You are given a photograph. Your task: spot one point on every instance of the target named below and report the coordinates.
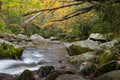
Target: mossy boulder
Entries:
(106, 57)
(116, 49)
(26, 75)
(77, 49)
(111, 65)
(8, 51)
(78, 59)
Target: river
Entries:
(34, 58)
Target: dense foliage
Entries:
(104, 18)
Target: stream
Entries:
(34, 58)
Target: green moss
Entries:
(106, 57)
(8, 51)
(116, 49)
(74, 61)
(111, 65)
(76, 49)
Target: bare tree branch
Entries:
(82, 9)
(74, 14)
(33, 12)
(30, 19)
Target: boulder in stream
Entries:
(77, 49)
(36, 38)
(26, 75)
(78, 59)
(8, 51)
(45, 70)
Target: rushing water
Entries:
(33, 59)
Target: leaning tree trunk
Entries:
(25, 23)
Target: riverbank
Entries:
(54, 60)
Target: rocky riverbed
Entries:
(96, 58)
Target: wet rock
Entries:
(111, 65)
(26, 75)
(78, 59)
(106, 57)
(4, 76)
(45, 70)
(97, 37)
(112, 75)
(76, 50)
(70, 77)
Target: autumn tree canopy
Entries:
(95, 4)
(73, 17)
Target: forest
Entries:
(82, 17)
(59, 39)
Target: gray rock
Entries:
(53, 38)
(7, 42)
(22, 37)
(70, 77)
(37, 36)
(37, 39)
(97, 37)
(30, 44)
(89, 56)
(113, 75)
(87, 44)
(109, 44)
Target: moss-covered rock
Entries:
(78, 59)
(8, 51)
(116, 49)
(106, 57)
(111, 65)
(76, 49)
(26, 75)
